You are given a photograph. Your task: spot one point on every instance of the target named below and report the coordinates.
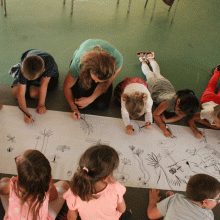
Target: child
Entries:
(94, 194)
(135, 101)
(202, 195)
(183, 102)
(210, 103)
(27, 196)
(34, 75)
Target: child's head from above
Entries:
(217, 115)
(187, 103)
(32, 67)
(135, 103)
(98, 64)
(96, 164)
(34, 176)
(203, 189)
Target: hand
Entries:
(198, 135)
(83, 102)
(75, 115)
(27, 119)
(129, 129)
(148, 125)
(41, 109)
(154, 197)
(167, 133)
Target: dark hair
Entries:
(100, 63)
(217, 111)
(189, 103)
(32, 66)
(34, 174)
(201, 187)
(95, 164)
(135, 103)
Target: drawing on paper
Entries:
(54, 158)
(86, 126)
(46, 135)
(97, 142)
(143, 180)
(63, 148)
(11, 139)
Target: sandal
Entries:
(150, 52)
(142, 57)
(215, 68)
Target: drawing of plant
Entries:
(46, 135)
(10, 138)
(154, 160)
(97, 142)
(146, 175)
(38, 138)
(63, 148)
(86, 126)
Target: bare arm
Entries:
(53, 191)
(72, 214)
(121, 207)
(5, 186)
(152, 210)
(68, 84)
(43, 90)
(173, 119)
(22, 102)
(157, 113)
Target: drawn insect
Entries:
(10, 149)
(63, 148)
(10, 138)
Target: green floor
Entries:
(185, 50)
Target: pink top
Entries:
(103, 208)
(13, 212)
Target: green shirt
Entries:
(75, 67)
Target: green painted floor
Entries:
(185, 50)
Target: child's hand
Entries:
(167, 133)
(75, 115)
(154, 197)
(41, 109)
(129, 129)
(27, 119)
(198, 135)
(83, 102)
(148, 125)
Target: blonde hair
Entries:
(99, 62)
(217, 111)
(135, 103)
(32, 67)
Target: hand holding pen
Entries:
(199, 133)
(76, 115)
(27, 117)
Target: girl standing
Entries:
(135, 101)
(32, 195)
(183, 102)
(93, 193)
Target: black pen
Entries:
(168, 128)
(75, 113)
(199, 131)
(25, 113)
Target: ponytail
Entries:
(95, 164)
(189, 103)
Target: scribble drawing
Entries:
(37, 138)
(168, 128)
(143, 181)
(10, 149)
(141, 128)
(120, 176)
(204, 138)
(204, 160)
(86, 126)
(63, 148)
(46, 135)
(214, 151)
(165, 144)
(54, 158)
(174, 167)
(69, 173)
(10, 138)
(97, 142)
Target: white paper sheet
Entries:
(147, 159)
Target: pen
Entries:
(75, 113)
(148, 123)
(168, 129)
(199, 131)
(25, 113)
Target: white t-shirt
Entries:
(207, 111)
(137, 87)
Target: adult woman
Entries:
(89, 80)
